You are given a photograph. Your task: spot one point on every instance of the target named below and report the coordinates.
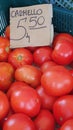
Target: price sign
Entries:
(31, 26)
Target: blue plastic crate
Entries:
(6, 4)
(62, 15)
(62, 18)
(67, 4)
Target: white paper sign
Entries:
(31, 26)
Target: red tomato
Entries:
(6, 117)
(47, 101)
(59, 36)
(32, 49)
(71, 64)
(7, 32)
(25, 100)
(14, 86)
(19, 121)
(19, 57)
(63, 109)
(4, 48)
(29, 74)
(45, 66)
(71, 71)
(68, 125)
(6, 75)
(57, 81)
(63, 52)
(44, 120)
(42, 55)
(4, 105)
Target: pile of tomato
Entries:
(36, 85)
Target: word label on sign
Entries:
(31, 26)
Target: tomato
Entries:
(68, 125)
(19, 121)
(7, 32)
(14, 86)
(25, 100)
(59, 36)
(6, 75)
(57, 81)
(71, 64)
(29, 74)
(71, 71)
(4, 105)
(4, 48)
(63, 109)
(19, 57)
(32, 49)
(44, 120)
(6, 117)
(63, 52)
(47, 101)
(46, 65)
(42, 55)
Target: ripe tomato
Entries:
(29, 74)
(4, 105)
(32, 49)
(59, 36)
(71, 64)
(44, 120)
(19, 121)
(6, 75)
(4, 48)
(6, 117)
(42, 55)
(25, 100)
(7, 32)
(71, 71)
(19, 57)
(57, 81)
(63, 109)
(14, 86)
(46, 65)
(47, 101)
(68, 125)
(63, 52)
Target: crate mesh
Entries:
(68, 4)
(3, 23)
(63, 20)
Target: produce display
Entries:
(36, 85)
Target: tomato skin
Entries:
(14, 86)
(63, 109)
(32, 49)
(4, 48)
(7, 32)
(19, 57)
(71, 64)
(26, 100)
(44, 120)
(29, 74)
(46, 65)
(57, 81)
(19, 121)
(4, 105)
(42, 55)
(10, 112)
(6, 75)
(67, 125)
(63, 52)
(47, 101)
(59, 36)
(71, 71)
